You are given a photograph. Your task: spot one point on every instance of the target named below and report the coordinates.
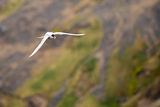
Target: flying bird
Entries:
(52, 35)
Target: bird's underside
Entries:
(50, 35)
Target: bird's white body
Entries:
(50, 35)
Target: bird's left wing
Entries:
(40, 45)
(67, 34)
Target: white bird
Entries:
(52, 35)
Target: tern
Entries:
(52, 35)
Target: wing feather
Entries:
(67, 34)
(40, 45)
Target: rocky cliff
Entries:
(115, 64)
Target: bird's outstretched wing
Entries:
(40, 45)
(67, 34)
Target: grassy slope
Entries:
(68, 63)
(10, 8)
(85, 77)
(88, 101)
(130, 72)
(11, 101)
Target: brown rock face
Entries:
(3, 3)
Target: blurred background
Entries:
(117, 62)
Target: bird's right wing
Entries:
(40, 45)
(67, 34)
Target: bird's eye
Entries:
(52, 34)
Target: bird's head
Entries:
(54, 36)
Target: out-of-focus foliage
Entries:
(131, 71)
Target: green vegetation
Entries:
(47, 76)
(88, 101)
(90, 65)
(84, 79)
(11, 101)
(130, 72)
(11, 7)
(68, 101)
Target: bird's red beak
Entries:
(54, 37)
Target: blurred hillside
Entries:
(117, 62)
